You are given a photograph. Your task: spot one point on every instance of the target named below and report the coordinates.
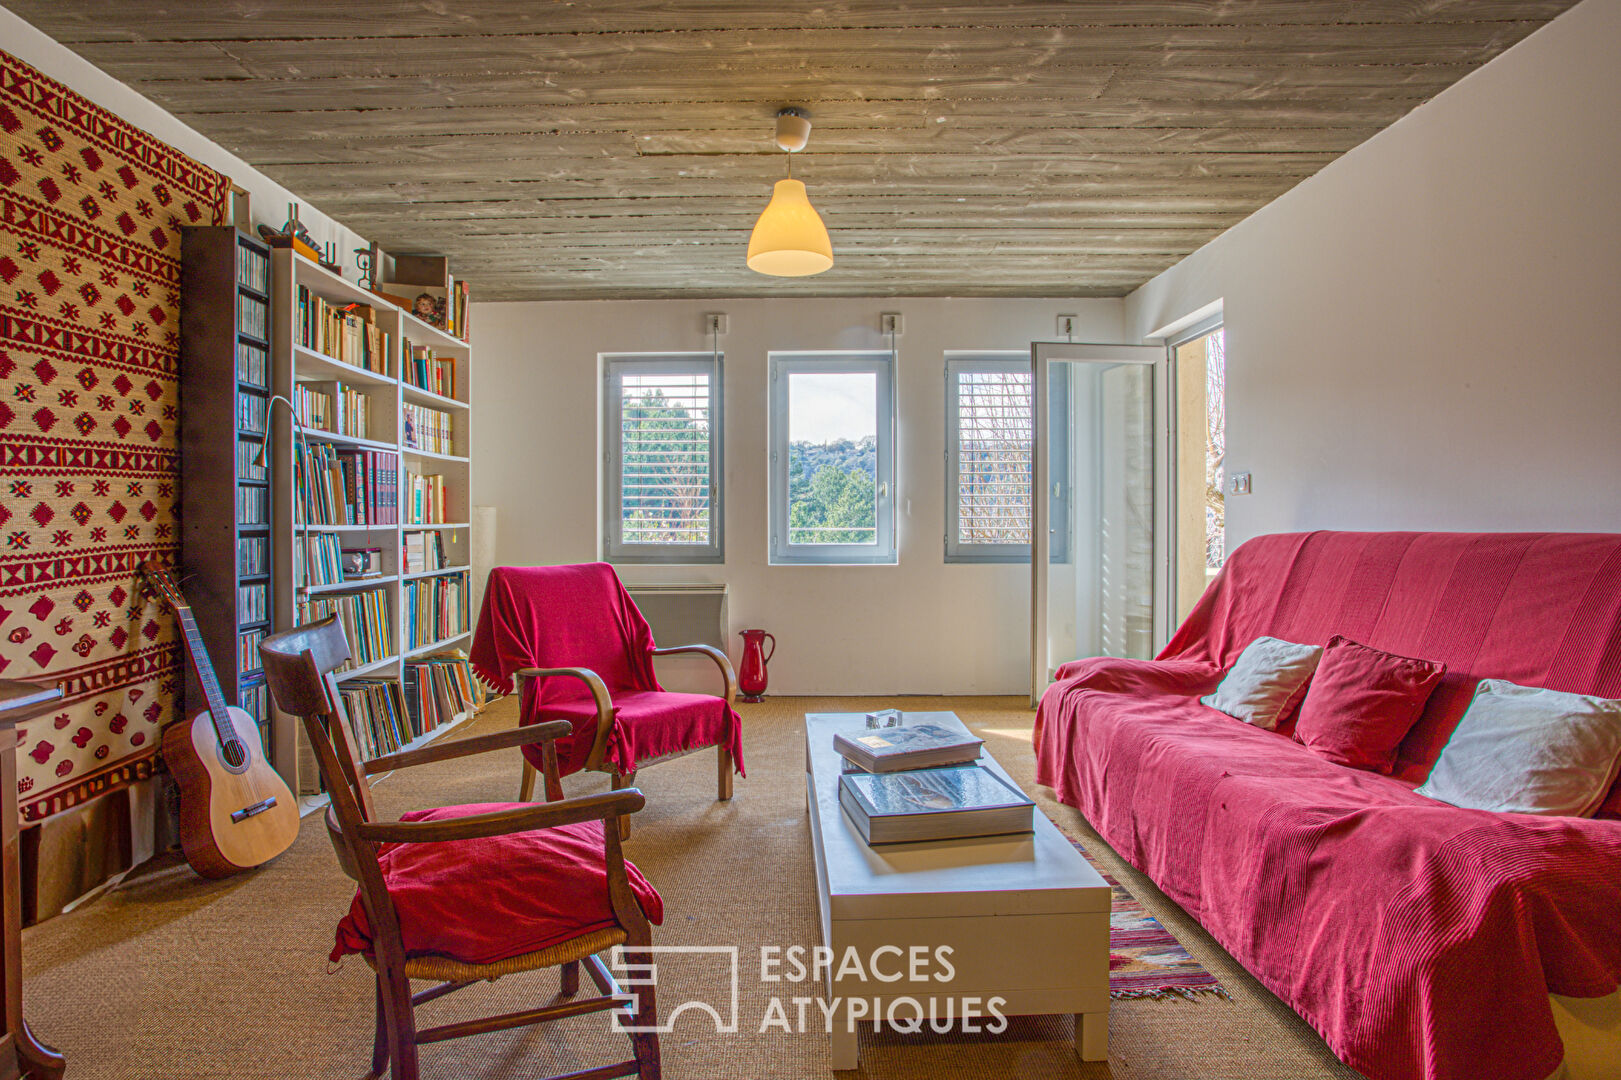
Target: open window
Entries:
(833, 458)
(662, 445)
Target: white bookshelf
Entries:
(388, 394)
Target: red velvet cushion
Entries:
(1362, 702)
(491, 898)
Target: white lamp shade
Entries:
(789, 240)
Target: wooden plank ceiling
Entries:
(622, 148)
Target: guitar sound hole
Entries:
(234, 753)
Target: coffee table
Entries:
(1025, 917)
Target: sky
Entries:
(826, 408)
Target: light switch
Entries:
(1239, 484)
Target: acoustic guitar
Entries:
(236, 812)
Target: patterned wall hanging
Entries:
(90, 216)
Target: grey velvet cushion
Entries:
(1525, 750)
(1266, 682)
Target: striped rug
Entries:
(1145, 959)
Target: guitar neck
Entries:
(201, 664)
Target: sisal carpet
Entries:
(174, 978)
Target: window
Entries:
(662, 436)
(1199, 359)
(833, 458)
(989, 459)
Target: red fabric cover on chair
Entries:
(1410, 934)
(581, 616)
(495, 897)
(1362, 702)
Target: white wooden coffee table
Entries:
(1025, 917)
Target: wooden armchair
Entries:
(298, 668)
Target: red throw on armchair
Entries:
(573, 642)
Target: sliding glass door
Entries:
(1099, 571)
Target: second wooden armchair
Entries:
(298, 667)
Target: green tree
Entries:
(664, 472)
(835, 507)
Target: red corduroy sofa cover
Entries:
(1419, 939)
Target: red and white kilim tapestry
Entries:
(90, 217)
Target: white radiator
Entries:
(684, 613)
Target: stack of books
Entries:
(345, 487)
(426, 370)
(365, 621)
(424, 498)
(348, 333)
(427, 429)
(904, 784)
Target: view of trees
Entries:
(664, 476)
(1215, 511)
(832, 492)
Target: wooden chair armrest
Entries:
(721, 661)
(603, 807)
(478, 744)
(599, 694)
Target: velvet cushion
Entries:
(1362, 702)
(495, 897)
(1265, 682)
(1525, 750)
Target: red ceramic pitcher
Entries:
(751, 678)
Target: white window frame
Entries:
(613, 368)
(956, 551)
(884, 550)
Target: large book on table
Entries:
(934, 804)
(890, 749)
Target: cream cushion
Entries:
(1524, 750)
(1266, 681)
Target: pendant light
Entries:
(790, 240)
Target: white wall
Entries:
(918, 627)
(268, 199)
(1422, 336)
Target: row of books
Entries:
(364, 616)
(247, 650)
(252, 603)
(251, 410)
(348, 333)
(427, 429)
(254, 699)
(248, 466)
(437, 689)
(338, 486)
(252, 269)
(385, 715)
(253, 555)
(325, 560)
(334, 407)
(427, 371)
(252, 316)
(253, 506)
(253, 364)
(424, 502)
(434, 609)
(423, 551)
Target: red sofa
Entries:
(1419, 939)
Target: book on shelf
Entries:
(252, 365)
(348, 333)
(247, 650)
(328, 405)
(340, 486)
(422, 552)
(426, 429)
(365, 621)
(252, 506)
(252, 601)
(424, 502)
(934, 804)
(375, 710)
(438, 689)
(317, 560)
(251, 411)
(434, 609)
(426, 370)
(248, 466)
(253, 555)
(252, 269)
(253, 316)
(892, 749)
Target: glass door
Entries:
(1099, 573)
